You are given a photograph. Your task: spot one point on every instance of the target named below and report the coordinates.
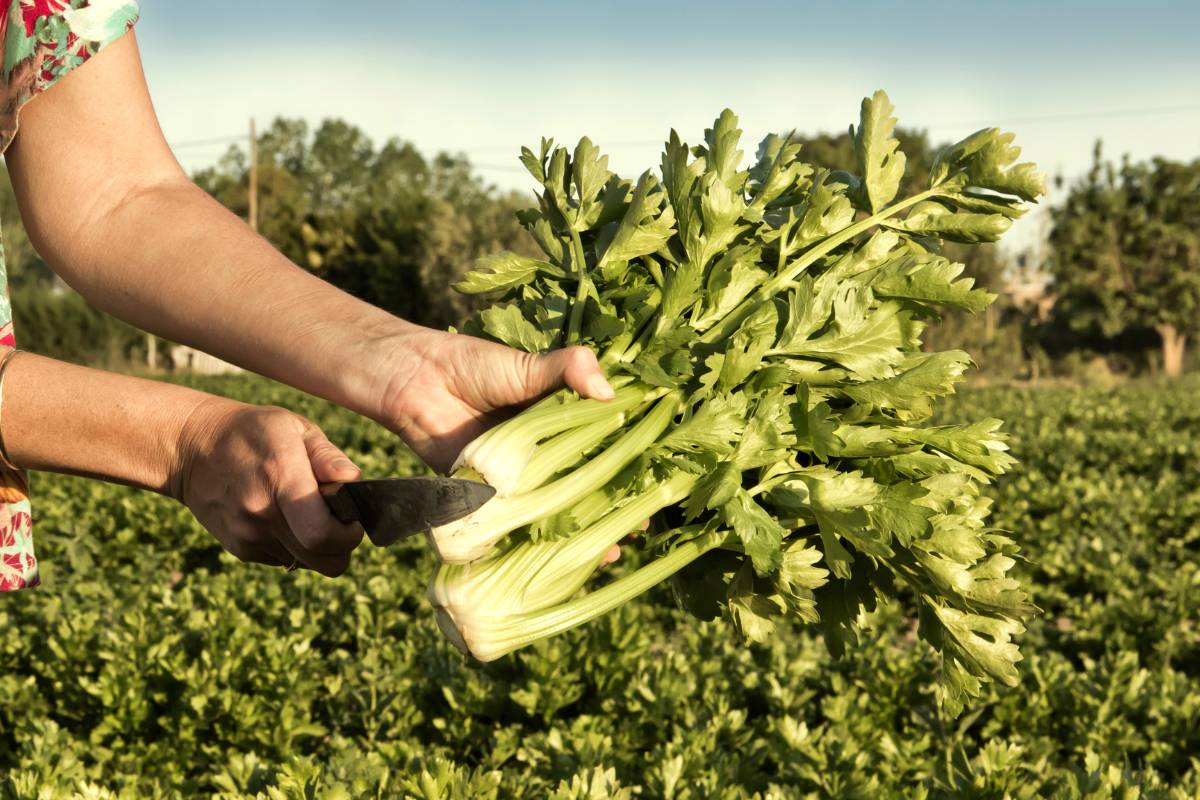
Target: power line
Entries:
(1034, 120)
(202, 142)
(500, 167)
(1073, 117)
(1064, 117)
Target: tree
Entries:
(1125, 252)
(386, 224)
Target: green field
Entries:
(152, 665)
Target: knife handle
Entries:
(340, 503)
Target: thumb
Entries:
(575, 367)
(329, 464)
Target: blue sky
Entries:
(485, 78)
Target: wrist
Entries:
(391, 365)
(198, 427)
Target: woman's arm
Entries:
(113, 213)
(248, 473)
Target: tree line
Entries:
(397, 228)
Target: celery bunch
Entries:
(763, 328)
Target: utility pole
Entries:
(253, 215)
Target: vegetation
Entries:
(158, 666)
(1125, 253)
(398, 228)
(384, 223)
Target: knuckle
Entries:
(328, 539)
(580, 358)
(529, 364)
(258, 506)
(311, 537)
(334, 567)
(280, 420)
(240, 549)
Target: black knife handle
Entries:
(340, 502)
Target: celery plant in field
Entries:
(763, 324)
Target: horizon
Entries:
(483, 81)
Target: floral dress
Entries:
(41, 40)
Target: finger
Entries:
(329, 464)
(575, 367)
(612, 555)
(314, 532)
(259, 550)
(329, 566)
(269, 557)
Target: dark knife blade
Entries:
(391, 509)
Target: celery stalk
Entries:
(488, 637)
(481, 597)
(474, 536)
(501, 454)
(565, 450)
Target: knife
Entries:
(391, 509)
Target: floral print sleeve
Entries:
(41, 41)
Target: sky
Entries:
(485, 78)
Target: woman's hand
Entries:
(250, 474)
(449, 388)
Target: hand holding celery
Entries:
(763, 327)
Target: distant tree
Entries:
(1125, 252)
(385, 224)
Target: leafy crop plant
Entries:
(762, 327)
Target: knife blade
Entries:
(391, 509)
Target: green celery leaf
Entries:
(506, 324)
(865, 338)
(979, 444)
(761, 535)
(798, 576)
(931, 218)
(667, 361)
(503, 270)
(538, 227)
(730, 280)
(701, 587)
(777, 171)
(643, 230)
(746, 349)
(974, 647)
(923, 376)
(752, 612)
(720, 151)
(827, 210)
(929, 279)
(841, 600)
(714, 490)
(985, 160)
(896, 514)
(715, 427)
(589, 174)
(880, 160)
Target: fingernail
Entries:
(344, 464)
(598, 388)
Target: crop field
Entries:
(150, 664)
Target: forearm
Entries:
(60, 417)
(173, 261)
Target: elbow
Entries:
(94, 250)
